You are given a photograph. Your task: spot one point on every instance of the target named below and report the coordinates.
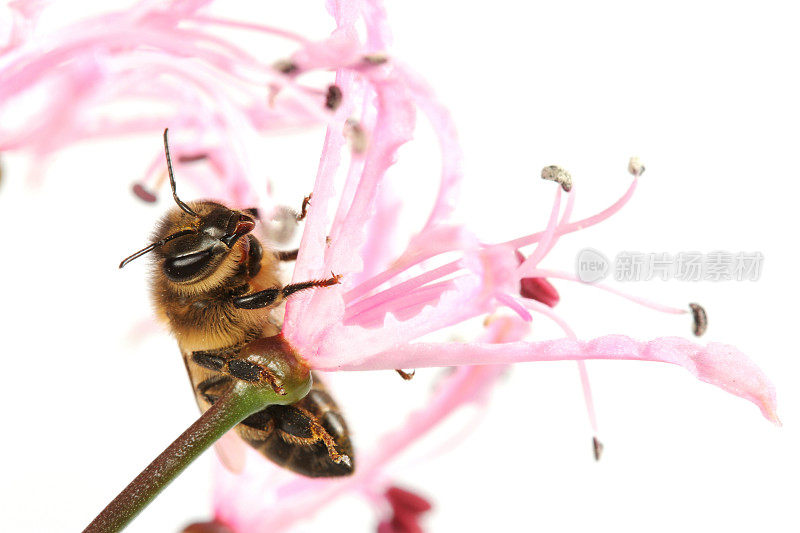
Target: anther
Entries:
(700, 318)
(356, 135)
(559, 175)
(286, 66)
(635, 167)
(597, 446)
(376, 59)
(333, 98)
(143, 194)
(192, 158)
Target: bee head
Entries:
(195, 248)
(193, 242)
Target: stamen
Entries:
(541, 273)
(700, 319)
(544, 245)
(559, 175)
(401, 289)
(588, 397)
(514, 305)
(409, 303)
(588, 400)
(580, 224)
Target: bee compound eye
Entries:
(185, 267)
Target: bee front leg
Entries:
(276, 295)
(233, 366)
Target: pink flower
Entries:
(219, 97)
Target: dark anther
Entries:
(143, 194)
(333, 98)
(286, 66)
(700, 319)
(597, 446)
(192, 158)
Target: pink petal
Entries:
(231, 451)
(719, 364)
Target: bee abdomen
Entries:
(283, 434)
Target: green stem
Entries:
(231, 408)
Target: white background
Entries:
(705, 93)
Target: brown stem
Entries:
(230, 409)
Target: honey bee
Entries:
(213, 284)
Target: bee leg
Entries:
(304, 208)
(405, 375)
(320, 434)
(276, 295)
(237, 368)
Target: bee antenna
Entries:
(185, 208)
(153, 246)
